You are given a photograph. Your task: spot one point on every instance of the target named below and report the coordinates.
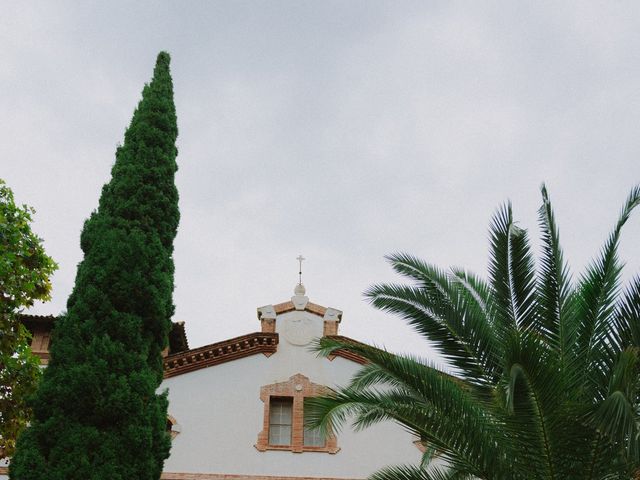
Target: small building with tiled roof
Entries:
(236, 407)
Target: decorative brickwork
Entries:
(297, 387)
(330, 328)
(221, 352)
(290, 307)
(354, 357)
(420, 446)
(219, 476)
(172, 426)
(222, 476)
(268, 325)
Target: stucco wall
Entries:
(220, 415)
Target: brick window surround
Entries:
(298, 387)
(172, 426)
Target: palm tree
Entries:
(543, 379)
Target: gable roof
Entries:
(220, 352)
(181, 359)
(177, 335)
(236, 348)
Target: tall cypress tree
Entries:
(97, 414)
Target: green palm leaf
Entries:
(444, 309)
(557, 319)
(407, 472)
(545, 377)
(512, 274)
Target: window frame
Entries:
(298, 387)
(288, 401)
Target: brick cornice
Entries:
(354, 357)
(221, 352)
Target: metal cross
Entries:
(300, 259)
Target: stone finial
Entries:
(299, 299)
(299, 290)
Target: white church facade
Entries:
(236, 407)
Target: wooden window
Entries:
(283, 422)
(280, 420)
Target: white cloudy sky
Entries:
(340, 130)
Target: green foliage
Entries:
(25, 269)
(545, 378)
(97, 414)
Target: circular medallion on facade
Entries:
(298, 330)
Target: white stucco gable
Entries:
(222, 406)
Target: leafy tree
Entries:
(545, 370)
(25, 269)
(97, 414)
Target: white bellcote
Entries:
(330, 317)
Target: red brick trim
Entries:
(354, 357)
(219, 476)
(290, 307)
(422, 446)
(330, 328)
(223, 476)
(268, 325)
(220, 352)
(172, 420)
(298, 387)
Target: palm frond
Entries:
(627, 318)
(534, 398)
(545, 381)
(464, 439)
(408, 472)
(617, 415)
(512, 273)
(597, 293)
(557, 319)
(438, 407)
(450, 317)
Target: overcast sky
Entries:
(340, 130)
